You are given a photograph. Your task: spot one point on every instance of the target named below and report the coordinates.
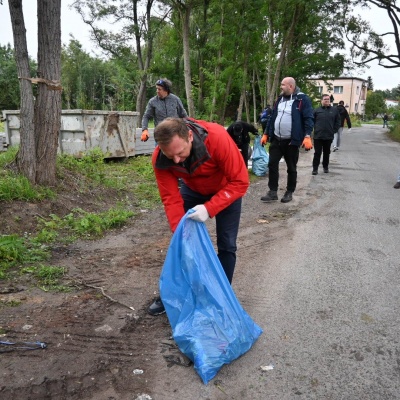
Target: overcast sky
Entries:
(71, 23)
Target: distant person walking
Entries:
(239, 132)
(326, 124)
(163, 105)
(385, 121)
(344, 116)
(289, 127)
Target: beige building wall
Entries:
(353, 91)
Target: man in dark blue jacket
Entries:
(326, 124)
(289, 127)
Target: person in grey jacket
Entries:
(326, 124)
(163, 105)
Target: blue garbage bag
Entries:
(260, 158)
(208, 324)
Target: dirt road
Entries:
(294, 276)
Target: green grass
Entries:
(15, 251)
(80, 224)
(127, 186)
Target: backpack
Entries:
(264, 115)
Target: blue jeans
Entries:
(227, 226)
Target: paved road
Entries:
(324, 286)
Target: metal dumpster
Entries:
(114, 132)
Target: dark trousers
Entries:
(290, 153)
(321, 146)
(227, 226)
(244, 149)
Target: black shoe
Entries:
(326, 170)
(270, 196)
(315, 172)
(397, 185)
(287, 197)
(157, 307)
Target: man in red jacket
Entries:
(213, 181)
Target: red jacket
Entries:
(215, 167)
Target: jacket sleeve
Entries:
(308, 116)
(181, 110)
(168, 188)
(148, 114)
(230, 161)
(348, 119)
(337, 121)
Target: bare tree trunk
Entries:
(185, 16)
(253, 86)
(48, 103)
(26, 157)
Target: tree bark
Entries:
(26, 157)
(48, 103)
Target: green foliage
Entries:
(9, 82)
(80, 223)
(48, 277)
(15, 250)
(15, 186)
(374, 105)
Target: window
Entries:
(338, 89)
(320, 90)
(356, 107)
(358, 90)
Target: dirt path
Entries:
(99, 337)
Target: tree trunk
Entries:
(185, 16)
(48, 103)
(26, 160)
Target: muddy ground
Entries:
(99, 336)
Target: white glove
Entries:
(200, 213)
(349, 130)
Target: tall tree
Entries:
(40, 119)
(367, 44)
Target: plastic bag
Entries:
(260, 158)
(208, 324)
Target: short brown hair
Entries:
(170, 127)
(325, 95)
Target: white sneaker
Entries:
(335, 149)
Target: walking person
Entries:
(289, 127)
(214, 180)
(385, 121)
(163, 105)
(326, 124)
(239, 132)
(344, 116)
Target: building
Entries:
(353, 91)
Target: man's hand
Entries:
(307, 144)
(264, 139)
(145, 136)
(349, 130)
(200, 213)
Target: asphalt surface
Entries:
(323, 285)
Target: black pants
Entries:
(277, 150)
(244, 149)
(321, 146)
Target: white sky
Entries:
(71, 23)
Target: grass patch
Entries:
(15, 250)
(48, 277)
(80, 224)
(15, 186)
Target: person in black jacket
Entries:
(239, 132)
(326, 124)
(344, 116)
